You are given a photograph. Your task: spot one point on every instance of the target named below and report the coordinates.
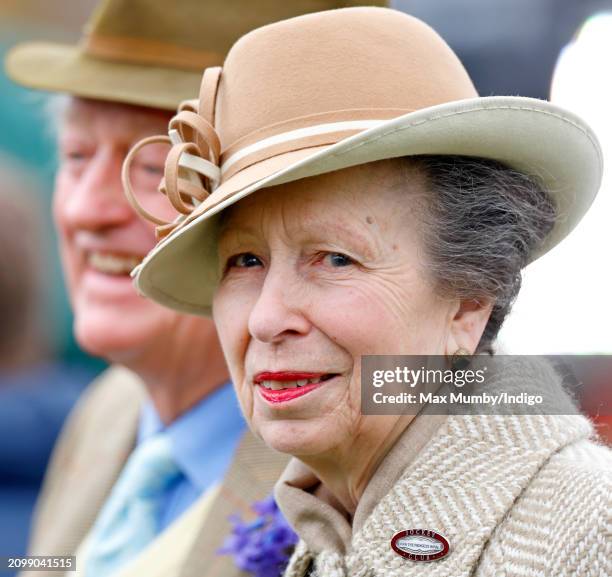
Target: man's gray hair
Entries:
(55, 109)
(483, 220)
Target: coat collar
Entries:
(319, 519)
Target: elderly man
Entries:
(149, 444)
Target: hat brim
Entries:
(63, 68)
(532, 136)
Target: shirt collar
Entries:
(203, 438)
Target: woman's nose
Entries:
(280, 310)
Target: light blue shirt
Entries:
(203, 442)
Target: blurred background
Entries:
(509, 47)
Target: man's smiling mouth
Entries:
(112, 263)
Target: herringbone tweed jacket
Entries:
(516, 496)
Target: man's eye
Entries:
(243, 260)
(74, 155)
(337, 259)
(152, 169)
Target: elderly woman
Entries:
(345, 192)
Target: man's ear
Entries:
(467, 324)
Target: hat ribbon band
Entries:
(142, 51)
(296, 136)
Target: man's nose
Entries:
(95, 200)
(280, 311)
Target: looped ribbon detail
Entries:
(191, 169)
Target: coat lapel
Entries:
(251, 477)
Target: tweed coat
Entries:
(515, 495)
(91, 452)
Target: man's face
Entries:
(101, 238)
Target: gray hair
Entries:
(483, 221)
(54, 113)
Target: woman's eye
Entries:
(337, 259)
(243, 260)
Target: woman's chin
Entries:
(296, 437)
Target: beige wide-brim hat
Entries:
(150, 53)
(327, 91)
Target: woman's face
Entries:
(317, 273)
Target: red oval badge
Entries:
(420, 545)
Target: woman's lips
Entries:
(283, 386)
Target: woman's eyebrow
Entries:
(344, 234)
(310, 230)
(232, 233)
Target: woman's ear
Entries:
(467, 324)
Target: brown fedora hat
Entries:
(326, 91)
(148, 52)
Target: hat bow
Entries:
(195, 148)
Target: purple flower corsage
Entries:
(262, 546)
